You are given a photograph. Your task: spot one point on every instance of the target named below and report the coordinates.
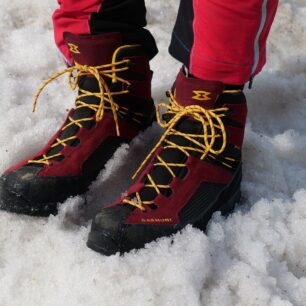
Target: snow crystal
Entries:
(256, 256)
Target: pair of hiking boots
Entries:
(193, 171)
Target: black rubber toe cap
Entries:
(108, 230)
(110, 235)
(24, 191)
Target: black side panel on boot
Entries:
(210, 198)
(99, 158)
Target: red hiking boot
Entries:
(113, 106)
(194, 170)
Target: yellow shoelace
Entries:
(213, 128)
(105, 95)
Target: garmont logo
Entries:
(74, 48)
(157, 220)
(201, 95)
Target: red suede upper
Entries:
(198, 171)
(95, 51)
(169, 207)
(90, 139)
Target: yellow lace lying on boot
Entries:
(105, 95)
(213, 128)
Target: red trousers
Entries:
(222, 40)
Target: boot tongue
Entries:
(93, 50)
(193, 91)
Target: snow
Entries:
(257, 256)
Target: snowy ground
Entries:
(255, 257)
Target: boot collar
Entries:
(192, 91)
(93, 50)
